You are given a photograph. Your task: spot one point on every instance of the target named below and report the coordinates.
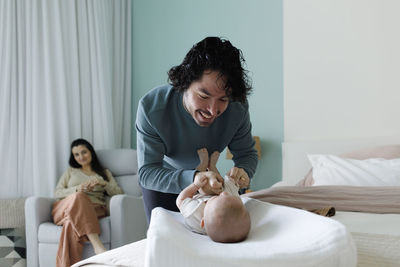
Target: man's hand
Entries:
(90, 185)
(213, 184)
(240, 176)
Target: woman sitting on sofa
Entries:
(81, 193)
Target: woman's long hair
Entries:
(95, 163)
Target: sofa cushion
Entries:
(119, 161)
(50, 233)
(129, 184)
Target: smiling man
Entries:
(206, 98)
(204, 106)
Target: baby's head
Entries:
(226, 219)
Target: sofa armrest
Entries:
(128, 220)
(37, 211)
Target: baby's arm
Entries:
(191, 190)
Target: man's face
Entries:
(206, 99)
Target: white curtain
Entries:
(65, 73)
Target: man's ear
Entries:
(202, 223)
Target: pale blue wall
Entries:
(163, 32)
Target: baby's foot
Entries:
(203, 156)
(212, 166)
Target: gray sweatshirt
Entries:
(168, 139)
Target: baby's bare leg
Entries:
(203, 156)
(212, 166)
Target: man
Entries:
(205, 106)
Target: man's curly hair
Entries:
(216, 54)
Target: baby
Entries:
(223, 217)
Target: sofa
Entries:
(126, 222)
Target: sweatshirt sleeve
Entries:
(62, 189)
(151, 150)
(112, 188)
(242, 147)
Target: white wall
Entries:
(341, 69)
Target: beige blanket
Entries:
(343, 198)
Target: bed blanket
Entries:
(343, 198)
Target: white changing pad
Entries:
(279, 236)
(131, 255)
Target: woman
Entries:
(81, 191)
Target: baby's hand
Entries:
(200, 180)
(214, 185)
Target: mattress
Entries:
(377, 237)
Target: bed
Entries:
(376, 236)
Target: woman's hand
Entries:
(90, 185)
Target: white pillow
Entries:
(334, 170)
